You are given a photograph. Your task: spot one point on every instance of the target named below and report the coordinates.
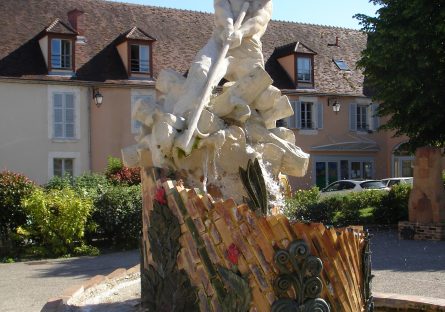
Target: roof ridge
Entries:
(154, 6)
(317, 25)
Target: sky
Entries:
(323, 12)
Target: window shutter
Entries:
(319, 115)
(374, 118)
(297, 114)
(290, 121)
(353, 117)
(57, 115)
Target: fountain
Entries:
(212, 160)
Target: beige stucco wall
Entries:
(111, 124)
(25, 144)
(335, 130)
(122, 49)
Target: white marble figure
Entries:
(190, 129)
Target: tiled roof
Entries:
(179, 34)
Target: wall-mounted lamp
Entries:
(97, 97)
(335, 104)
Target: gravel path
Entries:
(26, 286)
(407, 267)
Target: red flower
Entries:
(233, 253)
(160, 196)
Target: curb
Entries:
(396, 302)
(58, 304)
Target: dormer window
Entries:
(58, 48)
(298, 61)
(61, 54)
(136, 51)
(140, 58)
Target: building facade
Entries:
(71, 51)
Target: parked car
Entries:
(347, 186)
(390, 182)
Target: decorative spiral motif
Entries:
(284, 305)
(312, 287)
(282, 283)
(282, 257)
(316, 305)
(299, 250)
(313, 266)
(299, 271)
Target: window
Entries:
(329, 169)
(61, 54)
(304, 69)
(64, 123)
(140, 58)
(308, 114)
(341, 65)
(363, 117)
(61, 163)
(63, 166)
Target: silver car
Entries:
(390, 182)
(348, 186)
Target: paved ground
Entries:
(26, 286)
(408, 267)
(402, 267)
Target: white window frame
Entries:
(136, 94)
(362, 118)
(295, 121)
(76, 100)
(75, 156)
(304, 80)
(141, 46)
(60, 54)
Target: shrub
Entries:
(394, 207)
(57, 219)
(298, 206)
(118, 214)
(59, 183)
(118, 174)
(13, 188)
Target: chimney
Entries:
(77, 21)
(334, 44)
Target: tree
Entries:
(404, 67)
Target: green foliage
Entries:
(57, 219)
(356, 208)
(118, 214)
(113, 165)
(404, 66)
(59, 183)
(13, 188)
(443, 178)
(394, 206)
(86, 250)
(300, 206)
(118, 174)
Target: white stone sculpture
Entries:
(208, 136)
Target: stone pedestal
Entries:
(421, 231)
(427, 199)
